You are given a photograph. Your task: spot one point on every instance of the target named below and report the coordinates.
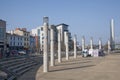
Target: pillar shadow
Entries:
(72, 63)
(64, 69)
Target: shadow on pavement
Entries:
(71, 63)
(72, 68)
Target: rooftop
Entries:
(62, 24)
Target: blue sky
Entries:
(90, 18)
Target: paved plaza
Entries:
(91, 68)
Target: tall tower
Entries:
(112, 35)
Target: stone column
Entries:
(91, 43)
(83, 43)
(59, 46)
(45, 56)
(112, 35)
(52, 47)
(67, 45)
(75, 47)
(100, 44)
(109, 47)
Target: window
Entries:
(10, 43)
(11, 37)
(2, 33)
(14, 37)
(41, 28)
(14, 44)
(1, 30)
(38, 31)
(25, 39)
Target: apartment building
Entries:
(2, 38)
(36, 32)
(15, 42)
(23, 32)
(62, 27)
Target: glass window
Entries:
(1, 30)
(1, 36)
(41, 28)
(14, 37)
(11, 43)
(11, 37)
(38, 31)
(14, 44)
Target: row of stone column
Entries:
(91, 44)
(52, 51)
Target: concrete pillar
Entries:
(91, 43)
(100, 44)
(109, 47)
(59, 46)
(45, 54)
(112, 35)
(52, 60)
(67, 45)
(83, 43)
(75, 47)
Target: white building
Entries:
(62, 27)
(41, 38)
(40, 33)
(26, 34)
(15, 42)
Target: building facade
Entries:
(32, 44)
(62, 27)
(36, 32)
(23, 32)
(2, 38)
(15, 42)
